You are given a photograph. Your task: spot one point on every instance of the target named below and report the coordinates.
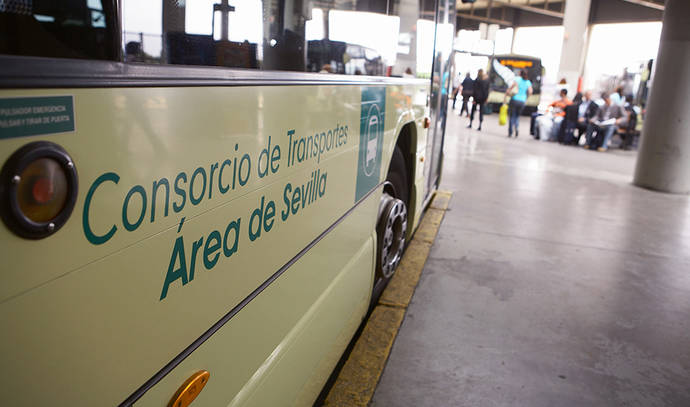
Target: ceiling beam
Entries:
(485, 19)
(483, 4)
(533, 9)
(647, 3)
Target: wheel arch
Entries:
(406, 140)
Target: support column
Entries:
(173, 21)
(576, 24)
(663, 163)
(408, 10)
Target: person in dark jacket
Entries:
(467, 88)
(480, 92)
(586, 111)
(566, 134)
(626, 128)
(604, 124)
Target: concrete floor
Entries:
(553, 282)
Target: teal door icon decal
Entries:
(370, 139)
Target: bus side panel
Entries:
(90, 315)
(268, 356)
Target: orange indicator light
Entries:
(42, 190)
(38, 189)
(190, 389)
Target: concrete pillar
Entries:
(663, 162)
(173, 16)
(576, 28)
(173, 20)
(408, 10)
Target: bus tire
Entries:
(397, 176)
(391, 227)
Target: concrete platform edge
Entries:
(357, 381)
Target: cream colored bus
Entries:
(191, 198)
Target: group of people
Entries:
(478, 90)
(597, 121)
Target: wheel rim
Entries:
(392, 233)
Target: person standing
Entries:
(456, 88)
(517, 102)
(480, 92)
(444, 85)
(466, 90)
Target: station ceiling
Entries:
(529, 13)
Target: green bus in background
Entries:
(184, 206)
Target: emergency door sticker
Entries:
(35, 116)
(370, 139)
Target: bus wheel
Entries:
(392, 223)
(391, 231)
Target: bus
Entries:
(343, 58)
(503, 69)
(188, 214)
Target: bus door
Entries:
(440, 89)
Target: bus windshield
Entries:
(504, 70)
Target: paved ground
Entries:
(553, 282)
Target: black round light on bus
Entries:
(38, 189)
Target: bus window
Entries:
(62, 29)
(276, 35)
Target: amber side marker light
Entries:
(38, 190)
(190, 389)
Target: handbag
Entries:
(503, 115)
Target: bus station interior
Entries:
(559, 276)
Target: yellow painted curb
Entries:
(361, 372)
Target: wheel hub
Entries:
(392, 230)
